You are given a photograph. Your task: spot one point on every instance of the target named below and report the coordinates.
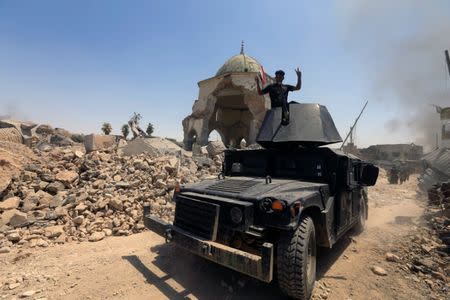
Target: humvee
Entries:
(269, 209)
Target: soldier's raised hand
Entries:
(299, 73)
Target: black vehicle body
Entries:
(233, 220)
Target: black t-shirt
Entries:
(278, 93)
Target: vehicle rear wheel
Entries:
(296, 260)
(361, 225)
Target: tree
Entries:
(149, 130)
(106, 128)
(125, 131)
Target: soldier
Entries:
(278, 92)
(393, 175)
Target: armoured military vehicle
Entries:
(269, 209)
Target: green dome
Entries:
(239, 64)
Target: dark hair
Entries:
(279, 72)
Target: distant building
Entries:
(391, 152)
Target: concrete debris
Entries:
(94, 142)
(152, 146)
(378, 271)
(65, 195)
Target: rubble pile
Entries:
(425, 259)
(439, 211)
(424, 255)
(67, 195)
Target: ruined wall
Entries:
(214, 110)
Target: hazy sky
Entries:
(80, 63)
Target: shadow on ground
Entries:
(206, 280)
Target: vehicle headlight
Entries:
(236, 215)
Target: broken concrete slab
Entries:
(94, 142)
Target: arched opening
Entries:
(242, 143)
(214, 136)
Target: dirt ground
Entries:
(142, 266)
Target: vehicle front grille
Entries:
(232, 185)
(197, 217)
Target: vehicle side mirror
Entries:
(369, 175)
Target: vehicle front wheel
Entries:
(361, 225)
(296, 260)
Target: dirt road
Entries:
(141, 266)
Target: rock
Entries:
(49, 177)
(30, 202)
(60, 140)
(122, 184)
(116, 203)
(81, 207)
(54, 187)
(79, 154)
(54, 231)
(140, 164)
(378, 271)
(44, 198)
(5, 250)
(56, 201)
(392, 257)
(12, 286)
(6, 216)
(97, 236)
(10, 203)
(13, 237)
(38, 242)
(60, 211)
(28, 175)
(117, 178)
(45, 129)
(160, 184)
(17, 218)
(66, 177)
(78, 220)
(44, 146)
(439, 276)
(215, 148)
(27, 294)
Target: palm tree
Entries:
(125, 131)
(149, 130)
(106, 128)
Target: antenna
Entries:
(447, 59)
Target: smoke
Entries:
(401, 46)
(10, 111)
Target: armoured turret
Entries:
(310, 125)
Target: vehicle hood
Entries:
(254, 189)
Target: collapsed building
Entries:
(228, 103)
(437, 162)
(392, 152)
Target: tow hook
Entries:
(168, 235)
(206, 250)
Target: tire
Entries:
(361, 224)
(296, 260)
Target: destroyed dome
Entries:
(240, 63)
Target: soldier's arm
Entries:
(298, 86)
